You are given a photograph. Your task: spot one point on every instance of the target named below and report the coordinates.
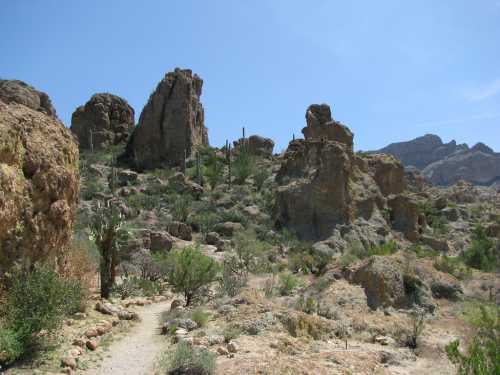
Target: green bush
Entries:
(234, 217)
(288, 283)
(233, 279)
(188, 360)
(453, 266)
(36, 300)
(243, 166)
(482, 254)
(181, 207)
(11, 347)
(137, 286)
(190, 271)
(259, 177)
(142, 201)
(200, 316)
(206, 222)
(231, 332)
(483, 353)
(303, 258)
(423, 251)
(91, 188)
(387, 248)
(249, 251)
(214, 169)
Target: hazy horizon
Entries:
(389, 71)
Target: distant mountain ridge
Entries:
(445, 163)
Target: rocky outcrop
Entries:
(388, 172)
(256, 145)
(406, 217)
(320, 125)
(422, 151)
(14, 91)
(171, 124)
(105, 120)
(476, 166)
(39, 184)
(324, 185)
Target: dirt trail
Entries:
(135, 353)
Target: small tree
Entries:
(190, 270)
(481, 254)
(107, 233)
(181, 207)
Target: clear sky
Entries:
(391, 69)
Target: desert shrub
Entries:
(387, 248)
(200, 316)
(206, 222)
(452, 265)
(417, 318)
(234, 216)
(163, 173)
(482, 254)
(190, 270)
(483, 353)
(259, 177)
(187, 360)
(142, 201)
(308, 304)
(433, 217)
(249, 251)
(347, 259)
(423, 251)
(37, 300)
(303, 258)
(243, 166)
(137, 286)
(231, 332)
(91, 188)
(214, 168)
(288, 283)
(181, 207)
(11, 347)
(233, 278)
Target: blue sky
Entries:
(391, 70)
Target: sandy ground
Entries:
(136, 353)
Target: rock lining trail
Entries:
(136, 353)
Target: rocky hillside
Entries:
(320, 260)
(446, 163)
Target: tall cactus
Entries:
(229, 172)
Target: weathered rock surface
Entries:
(15, 91)
(105, 120)
(406, 217)
(323, 184)
(171, 124)
(39, 184)
(257, 145)
(320, 125)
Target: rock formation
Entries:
(39, 184)
(257, 145)
(171, 124)
(14, 91)
(320, 125)
(324, 185)
(103, 121)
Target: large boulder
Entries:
(171, 124)
(256, 145)
(14, 91)
(39, 184)
(105, 120)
